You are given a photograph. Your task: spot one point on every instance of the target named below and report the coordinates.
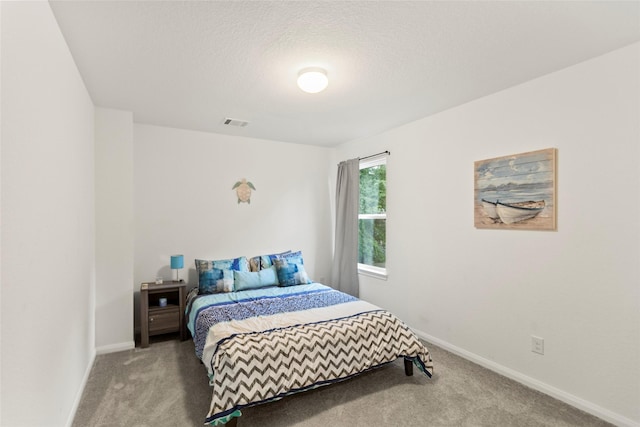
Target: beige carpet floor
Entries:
(165, 385)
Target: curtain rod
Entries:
(377, 154)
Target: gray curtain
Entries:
(345, 256)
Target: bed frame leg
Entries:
(408, 367)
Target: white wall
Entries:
(1, 212)
(48, 240)
(483, 293)
(114, 229)
(184, 202)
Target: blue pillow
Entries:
(214, 281)
(238, 264)
(290, 273)
(206, 276)
(253, 280)
(261, 262)
(293, 257)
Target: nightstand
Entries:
(156, 320)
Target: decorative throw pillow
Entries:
(293, 257)
(261, 262)
(254, 263)
(205, 269)
(290, 273)
(238, 264)
(253, 280)
(214, 281)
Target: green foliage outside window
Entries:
(372, 239)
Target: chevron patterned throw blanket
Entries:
(262, 345)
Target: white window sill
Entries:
(375, 272)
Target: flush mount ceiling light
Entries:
(312, 80)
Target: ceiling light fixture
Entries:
(312, 80)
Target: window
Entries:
(372, 217)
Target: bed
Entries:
(262, 338)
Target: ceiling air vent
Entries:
(235, 122)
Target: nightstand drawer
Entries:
(164, 320)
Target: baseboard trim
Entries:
(113, 348)
(589, 407)
(83, 384)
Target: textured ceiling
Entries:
(191, 64)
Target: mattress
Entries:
(263, 344)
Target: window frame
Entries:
(365, 269)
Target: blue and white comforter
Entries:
(263, 344)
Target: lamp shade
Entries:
(177, 261)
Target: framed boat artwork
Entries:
(516, 192)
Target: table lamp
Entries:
(177, 262)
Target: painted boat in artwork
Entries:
(510, 213)
(490, 209)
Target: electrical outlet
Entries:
(537, 344)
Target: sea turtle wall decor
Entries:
(243, 190)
